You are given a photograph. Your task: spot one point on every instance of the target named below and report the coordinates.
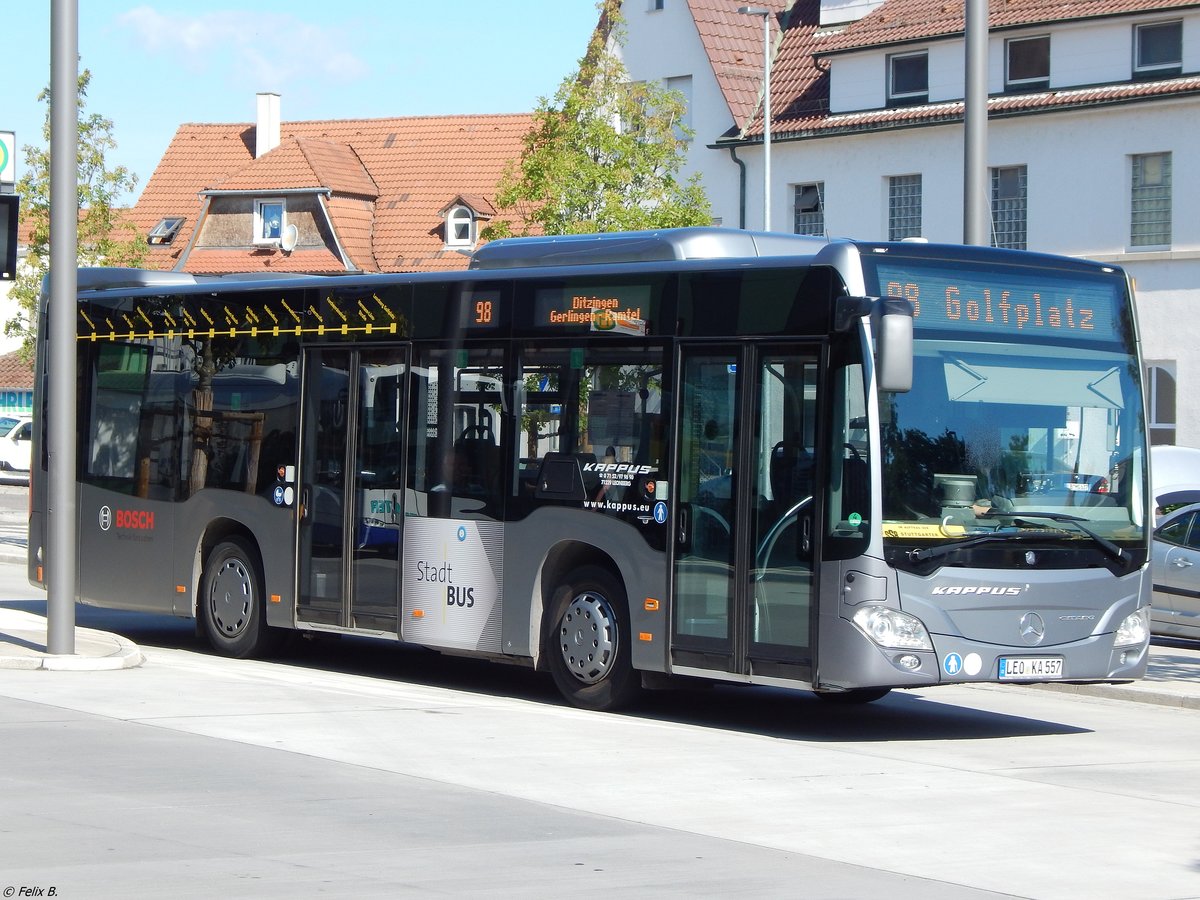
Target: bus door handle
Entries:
(684, 537)
(805, 535)
(305, 493)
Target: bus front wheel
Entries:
(231, 600)
(589, 642)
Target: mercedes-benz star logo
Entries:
(1033, 629)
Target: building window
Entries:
(810, 208)
(1158, 49)
(683, 86)
(1150, 201)
(656, 5)
(460, 227)
(165, 231)
(1009, 207)
(268, 221)
(904, 207)
(908, 79)
(1160, 386)
(1027, 64)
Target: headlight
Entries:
(1133, 631)
(892, 628)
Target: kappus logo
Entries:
(617, 468)
(128, 519)
(979, 589)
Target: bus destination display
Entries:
(1026, 302)
(599, 308)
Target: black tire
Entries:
(588, 642)
(853, 697)
(231, 604)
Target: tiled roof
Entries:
(998, 107)
(481, 204)
(898, 21)
(221, 262)
(408, 168)
(800, 87)
(300, 163)
(15, 372)
(734, 44)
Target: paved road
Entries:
(351, 768)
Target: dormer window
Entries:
(165, 231)
(268, 221)
(1027, 64)
(908, 79)
(1158, 50)
(460, 227)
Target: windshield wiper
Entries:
(945, 549)
(1108, 546)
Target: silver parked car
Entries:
(1176, 571)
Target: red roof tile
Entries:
(898, 21)
(800, 86)
(220, 262)
(734, 44)
(410, 167)
(15, 372)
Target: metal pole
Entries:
(976, 206)
(60, 403)
(766, 123)
(766, 17)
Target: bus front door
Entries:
(744, 580)
(352, 487)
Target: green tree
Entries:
(105, 239)
(604, 154)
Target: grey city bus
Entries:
(631, 460)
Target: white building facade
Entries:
(1093, 142)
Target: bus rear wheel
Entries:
(588, 643)
(231, 600)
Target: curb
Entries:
(1120, 692)
(95, 651)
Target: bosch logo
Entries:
(126, 519)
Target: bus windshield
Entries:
(1015, 425)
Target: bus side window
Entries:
(590, 426)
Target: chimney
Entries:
(266, 132)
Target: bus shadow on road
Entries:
(764, 711)
(801, 716)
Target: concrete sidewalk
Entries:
(1173, 677)
(23, 638)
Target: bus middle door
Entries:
(352, 477)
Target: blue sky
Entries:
(155, 66)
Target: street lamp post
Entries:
(766, 17)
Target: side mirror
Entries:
(894, 344)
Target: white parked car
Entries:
(15, 445)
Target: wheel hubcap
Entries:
(231, 598)
(588, 638)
